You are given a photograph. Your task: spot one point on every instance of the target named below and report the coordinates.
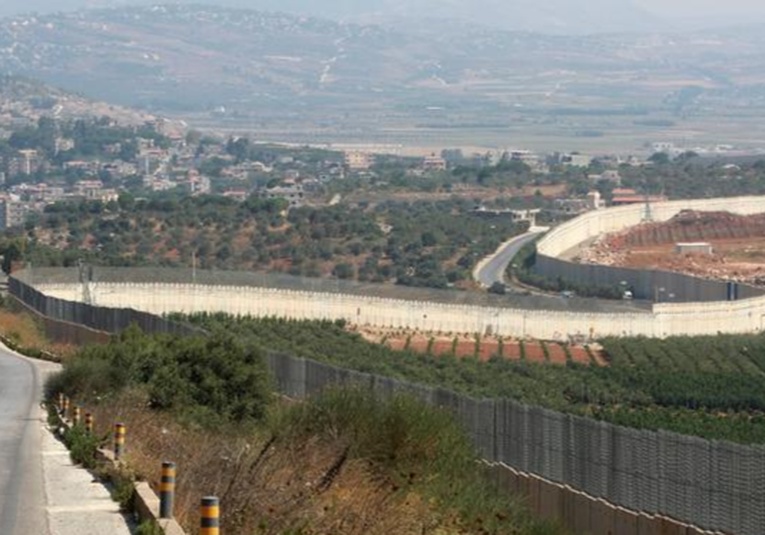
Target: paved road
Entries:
(22, 490)
(493, 269)
(41, 492)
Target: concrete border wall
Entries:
(667, 319)
(644, 283)
(592, 224)
(360, 310)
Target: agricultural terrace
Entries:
(712, 387)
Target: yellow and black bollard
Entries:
(119, 441)
(167, 490)
(65, 411)
(89, 423)
(76, 415)
(210, 522)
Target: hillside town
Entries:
(44, 160)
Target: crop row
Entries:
(683, 385)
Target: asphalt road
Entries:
(493, 270)
(22, 490)
(41, 491)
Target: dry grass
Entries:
(271, 485)
(267, 486)
(26, 332)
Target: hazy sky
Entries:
(694, 12)
(704, 8)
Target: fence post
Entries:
(210, 521)
(89, 423)
(119, 441)
(167, 490)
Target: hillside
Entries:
(309, 79)
(562, 16)
(22, 97)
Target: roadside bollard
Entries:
(60, 402)
(167, 490)
(76, 415)
(119, 441)
(210, 522)
(65, 410)
(89, 423)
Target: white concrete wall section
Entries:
(667, 319)
(598, 222)
(744, 316)
(359, 310)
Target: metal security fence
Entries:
(110, 320)
(714, 485)
(655, 285)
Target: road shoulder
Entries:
(77, 503)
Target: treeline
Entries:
(657, 393)
(91, 138)
(432, 244)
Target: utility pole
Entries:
(194, 268)
(648, 213)
(85, 278)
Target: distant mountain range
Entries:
(548, 16)
(290, 74)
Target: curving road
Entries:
(493, 268)
(22, 490)
(41, 492)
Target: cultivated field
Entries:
(484, 348)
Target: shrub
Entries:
(82, 446)
(218, 373)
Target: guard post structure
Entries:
(167, 490)
(60, 402)
(210, 521)
(65, 409)
(76, 415)
(89, 423)
(119, 441)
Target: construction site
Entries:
(715, 245)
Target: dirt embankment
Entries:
(738, 246)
